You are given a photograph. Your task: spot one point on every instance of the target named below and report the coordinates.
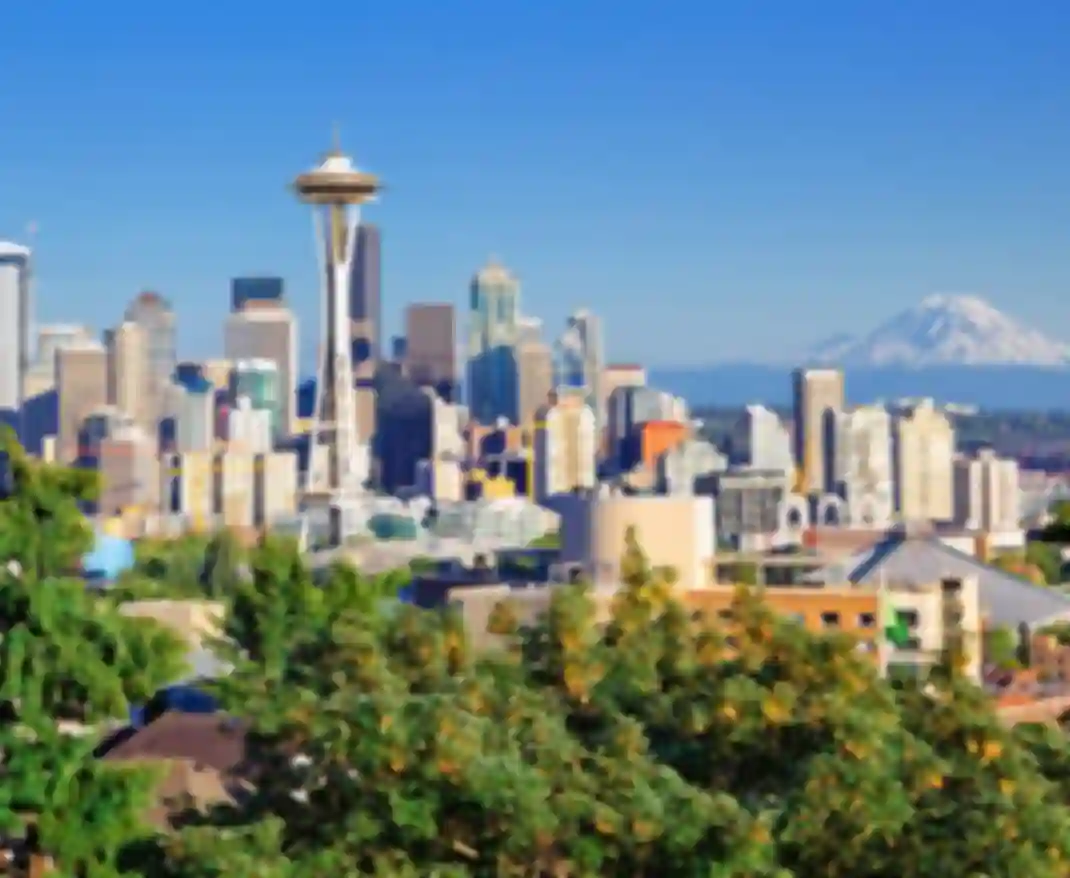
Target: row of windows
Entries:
(832, 619)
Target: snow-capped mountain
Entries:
(945, 330)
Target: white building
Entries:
(15, 321)
(566, 447)
(924, 444)
(249, 429)
(863, 466)
(987, 493)
(770, 444)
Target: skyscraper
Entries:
(82, 387)
(817, 397)
(431, 347)
(535, 379)
(924, 448)
(863, 468)
(15, 318)
(256, 291)
(493, 327)
(580, 361)
(565, 447)
(364, 301)
(770, 445)
(268, 333)
(153, 313)
(128, 373)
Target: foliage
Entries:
(661, 743)
(549, 540)
(192, 566)
(1018, 564)
(1002, 648)
(1046, 557)
(68, 660)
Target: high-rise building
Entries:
(365, 300)
(154, 314)
(195, 421)
(15, 322)
(987, 493)
(129, 469)
(580, 359)
(924, 450)
(431, 347)
(863, 467)
(259, 382)
(256, 292)
(248, 428)
(82, 388)
(50, 339)
(565, 447)
(268, 333)
(129, 379)
(535, 368)
(818, 397)
(493, 328)
(770, 444)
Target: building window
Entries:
(830, 620)
(867, 620)
(908, 618)
(724, 614)
(912, 643)
(951, 586)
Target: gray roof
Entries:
(1005, 599)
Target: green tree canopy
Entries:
(69, 661)
(660, 744)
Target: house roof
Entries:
(210, 740)
(1005, 599)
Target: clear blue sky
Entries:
(719, 180)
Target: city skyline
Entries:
(921, 168)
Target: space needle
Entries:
(338, 461)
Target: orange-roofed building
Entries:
(658, 437)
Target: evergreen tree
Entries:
(68, 663)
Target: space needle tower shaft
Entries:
(335, 477)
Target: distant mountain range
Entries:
(956, 349)
(944, 331)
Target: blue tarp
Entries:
(109, 557)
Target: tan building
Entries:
(218, 372)
(535, 376)
(129, 469)
(477, 603)
(129, 381)
(82, 388)
(276, 487)
(565, 447)
(924, 442)
(674, 531)
(817, 399)
(855, 611)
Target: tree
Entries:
(68, 661)
(1001, 648)
(662, 743)
(1018, 564)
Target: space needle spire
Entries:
(338, 463)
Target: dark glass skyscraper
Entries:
(245, 291)
(364, 302)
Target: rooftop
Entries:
(1005, 599)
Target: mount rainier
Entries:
(944, 330)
